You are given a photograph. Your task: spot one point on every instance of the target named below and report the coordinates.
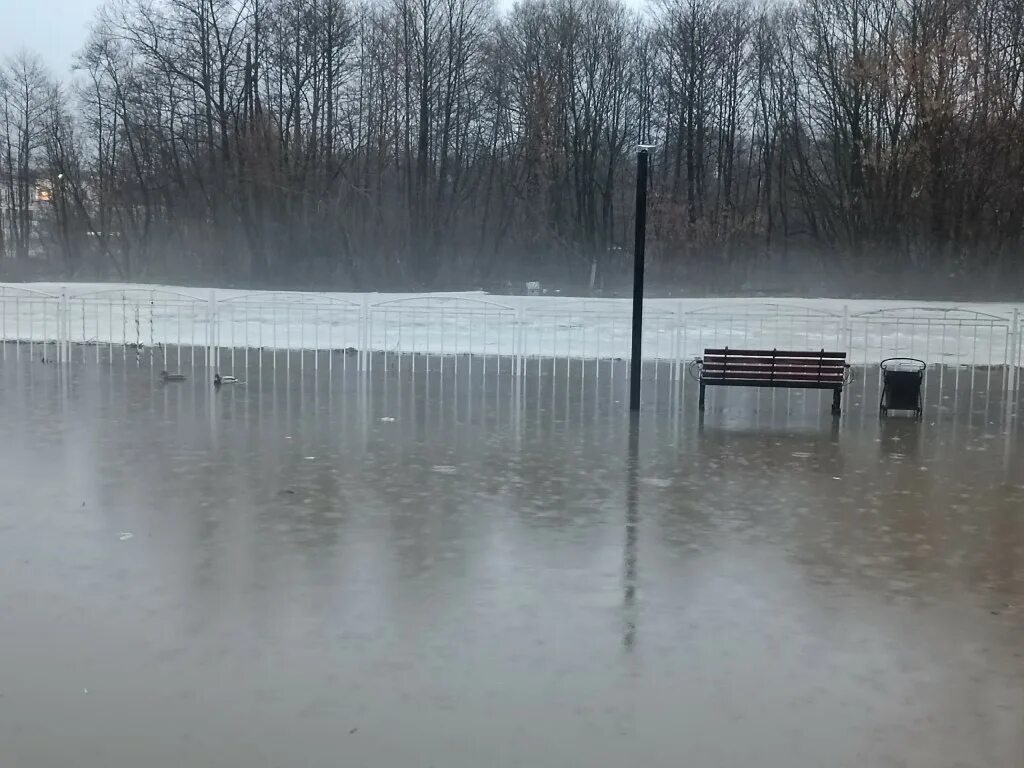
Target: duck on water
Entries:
(165, 376)
(219, 380)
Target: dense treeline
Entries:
(442, 143)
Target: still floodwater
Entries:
(437, 571)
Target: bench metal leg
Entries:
(837, 402)
(702, 387)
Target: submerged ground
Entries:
(455, 569)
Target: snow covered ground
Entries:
(482, 324)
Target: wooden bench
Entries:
(774, 368)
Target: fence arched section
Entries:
(148, 324)
(29, 322)
(289, 325)
(443, 326)
(937, 335)
(596, 333)
(958, 340)
(761, 325)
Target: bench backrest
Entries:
(773, 365)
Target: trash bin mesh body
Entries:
(902, 379)
(903, 390)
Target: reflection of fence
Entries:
(515, 335)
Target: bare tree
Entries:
(426, 142)
(24, 98)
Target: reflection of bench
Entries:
(773, 368)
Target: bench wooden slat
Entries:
(768, 377)
(781, 371)
(761, 353)
(827, 363)
(718, 366)
(777, 384)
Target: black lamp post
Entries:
(639, 243)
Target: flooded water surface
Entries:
(458, 568)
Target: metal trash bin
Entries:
(902, 379)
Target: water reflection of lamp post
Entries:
(639, 244)
(630, 556)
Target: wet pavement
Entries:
(450, 568)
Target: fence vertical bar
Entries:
(63, 325)
(364, 320)
(316, 337)
(287, 337)
(371, 301)
(677, 341)
(519, 341)
(42, 343)
(245, 330)
(848, 330)
(152, 334)
(1015, 339)
(211, 324)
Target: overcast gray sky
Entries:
(55, 29)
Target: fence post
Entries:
(211, 330)
(1014, 361)
(677, 342)
(520, 340)
(371, 301)
(63, 322)
(364, 331)
(847, 333)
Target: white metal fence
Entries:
(176, 329)
(103, 324)
(291, 326)
(443, 327)
(32, 319)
